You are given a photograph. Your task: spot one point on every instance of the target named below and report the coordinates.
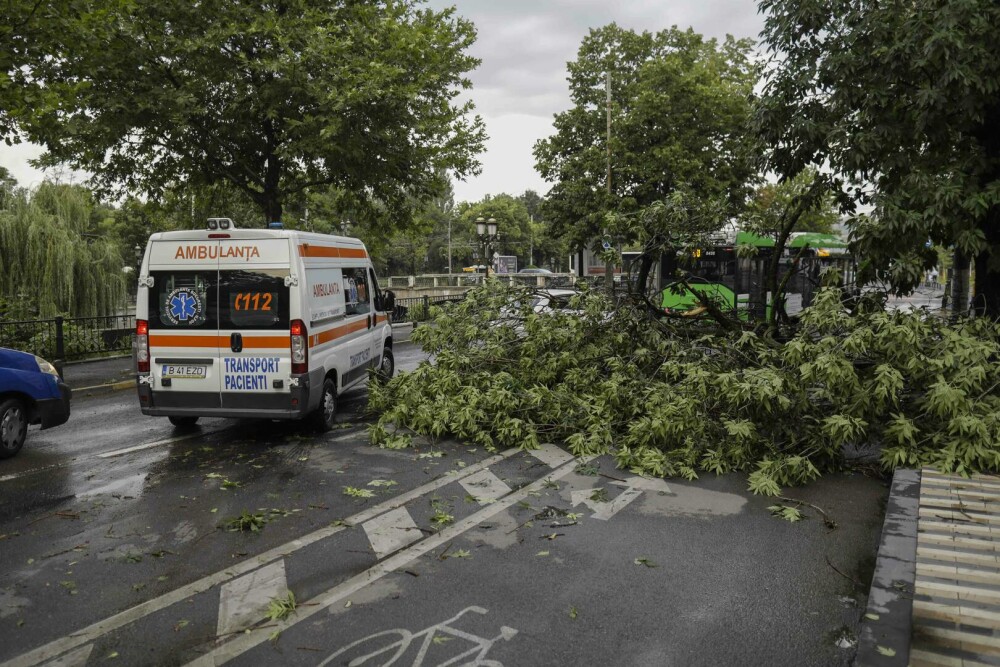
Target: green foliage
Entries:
(676, 399)
(902, 99)
(280, 608)
(246, 522)
(679, 107)
(272, 99)
(787, 512)
(54, 257)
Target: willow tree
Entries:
(51, 262)
(272, 98)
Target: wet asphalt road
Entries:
(115, 549)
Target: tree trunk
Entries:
(960, 283)
(272, 209)
(986, 302)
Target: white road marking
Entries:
(77, 658)
(550, 455)
(25, 473)
(391, 532)
(604, 510)
(158, 443)
(255, 636)
(100, 628)
(485, 487)
(644, 483)
(244, 601)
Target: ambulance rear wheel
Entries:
(325, 417)
(386, 368)
(183, 422)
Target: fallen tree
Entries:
(677, 397)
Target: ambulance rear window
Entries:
(253, 299)
(183, 300)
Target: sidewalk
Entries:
(935, 596)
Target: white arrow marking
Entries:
(644, 483)
(485, 487)
(244, 601)
(604, 510)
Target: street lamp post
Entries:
(486, 230)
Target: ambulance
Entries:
(263, 323)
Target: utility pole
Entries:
(609, 267)
(449, 243)
(531, 240)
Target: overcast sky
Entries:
(524, 46)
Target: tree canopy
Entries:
(903, 99)
(679, 108)
(270, 98)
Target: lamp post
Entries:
(486, 230)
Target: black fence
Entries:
(68, 339)
(417, 309)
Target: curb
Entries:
(887, 625)
(113, 386)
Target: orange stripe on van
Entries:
(161, 340)
(249, 342)
(322, 337)
(307, 250)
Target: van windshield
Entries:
(253, 299)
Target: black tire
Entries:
(13, 427)
(325, 416)
(183, 422)
(386, 368)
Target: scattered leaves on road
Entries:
(572, 613)
(229, 484)
(886, 651)
(642, 560)
(588, 469)
(382, 482)
(181, 624)
(441, 518)
(433, 454)
(872, 617)
(460, 553)
(245, 522)
(441, 639)
(355, 492)
(599, 495)
(787, 512)
(542, 553)
(281, 608)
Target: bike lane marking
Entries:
(100, 628)
(391, 532)
(485, 487)
(244, 601)
(551, 455)
(256, 636)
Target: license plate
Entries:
(172, 371)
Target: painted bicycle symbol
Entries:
(383, 649)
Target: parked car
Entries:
(31, 392)
(543, 271)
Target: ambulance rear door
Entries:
(183, 323)
(254, 318)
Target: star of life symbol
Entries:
(182, 306)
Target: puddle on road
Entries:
(691, 502)
(130, 486)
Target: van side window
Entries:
(357, 298)
(376, 292)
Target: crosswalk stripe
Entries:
(244, 601)
(391, 531)
(485, 487)
(76, 658)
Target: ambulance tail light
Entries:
(300, 348)
(142, 346)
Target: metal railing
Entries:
(68, 339)
(417, 309)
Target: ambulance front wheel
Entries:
(325, 417)
(183, 422)
(386, 368)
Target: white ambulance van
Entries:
(264, 323)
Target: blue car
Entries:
(31, 392)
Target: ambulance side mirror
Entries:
(388, 301)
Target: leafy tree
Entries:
(770, 201)
(54, 255)
(679, 399)
(902, 99)
(679, 107)
(272, 99)
(513, 225)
